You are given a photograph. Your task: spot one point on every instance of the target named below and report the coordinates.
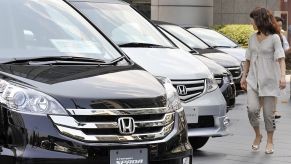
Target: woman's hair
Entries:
(265, 21)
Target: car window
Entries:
(176, 41)
(212, 37)
(35, 28)
(185, 36)
(122, 24)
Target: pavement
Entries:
(236, 148)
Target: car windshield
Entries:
(212, 37)
(122, 24)
(45, 28)
(185, 36)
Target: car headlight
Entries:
(211, 84)
(24, 99)
(173, 100)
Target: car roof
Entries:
(101, 1)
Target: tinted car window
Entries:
(123, 24)
(185, 36)
(35, 28)
(212, 37)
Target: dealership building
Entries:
(211, 12)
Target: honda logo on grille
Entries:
(182, 90)
(126, 125)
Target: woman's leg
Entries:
(253, 105)
(269, 118)
(277, 115)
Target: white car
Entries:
(204, 104)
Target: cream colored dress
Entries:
(264, 72)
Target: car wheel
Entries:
(198, 142)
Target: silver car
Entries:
(204, 104)
(219, 41)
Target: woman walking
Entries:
(264, 74)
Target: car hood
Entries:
(215, 68)
(171, 63)
(238, 53)
(223, 59)
(82, 86)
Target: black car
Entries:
(222, 75)
(230, 63)
(69, 95)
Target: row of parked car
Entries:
(94, 81)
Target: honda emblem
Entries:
(182, 90)
(126, 125)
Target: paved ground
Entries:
(236, 148)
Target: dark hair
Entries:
(279, 19)
(265, 21)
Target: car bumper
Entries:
(212, 119)
(229, 93)
(36, 140)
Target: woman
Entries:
(264, 74)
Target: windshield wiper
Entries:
(146, 45)
(55, 60)
(117, 60)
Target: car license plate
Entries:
(129, 156)
(191, 115)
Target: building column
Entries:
(286, 8)
(183, 12)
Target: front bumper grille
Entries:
(236, 72)
(101, 125)
(192, 88)
(203, 122)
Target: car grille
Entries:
(194, 88)
(102, 125)
(235, 71)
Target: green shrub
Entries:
(237, 32)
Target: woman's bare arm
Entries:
(283, 73)
(243, 82)
(246, 68)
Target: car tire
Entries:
(198, 142)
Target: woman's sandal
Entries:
(270, 150)
(257, 147)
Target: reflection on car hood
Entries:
(171, 63)
(223, 59)
(238, 53)
(215, 68)
(87, 84)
